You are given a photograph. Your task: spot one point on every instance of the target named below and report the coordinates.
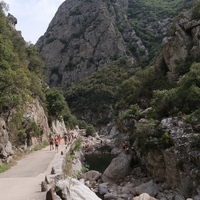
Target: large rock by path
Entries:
(75, 190)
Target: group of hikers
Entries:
(55, 140)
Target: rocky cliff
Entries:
(180, 164)
(85, 36)
(34, 112)
(182, 47)
(6, 151)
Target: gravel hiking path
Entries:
(23, 180)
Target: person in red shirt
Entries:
(59, 139)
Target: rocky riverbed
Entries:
(124, 179)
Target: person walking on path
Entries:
(59, 139)
(56, 145)
(65, 138)
(51, 143)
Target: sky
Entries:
(33, 16)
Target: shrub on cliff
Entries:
(149, 136)
(196, 10)
(90, 131)
(184, 98)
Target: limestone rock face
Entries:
(85, 36)
(179, 164)
(58, 127)
(36, 113)
(5, 145)
(33, 112)
(185, 42)
(118, 168)
(12, 20)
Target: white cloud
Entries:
(33, 16)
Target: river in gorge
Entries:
(98, 162)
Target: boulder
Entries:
(92, 175)
(103, 188)
(44, 186)
(128, 188)
(110, 196)
(74, 190)
(50, 195)
(179, 197)
(144, 196)
(149, 188)
(118, 168)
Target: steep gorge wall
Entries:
(33, 112)
(179, 164)
(183, 46)
(85, 36)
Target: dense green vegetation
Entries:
(58, 108)
(120, 91)
(90, 131)
(184, 98)
(195, 10)
(151, 137)
(144, 16)
(20, 78)
(22, 81)
(95, 97)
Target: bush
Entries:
(90, 131)
(3, 168)
(77, 145)
(150, 137)
(82, 124)
(70, 120)
(132, 113)
(196, 10)
(21, 137)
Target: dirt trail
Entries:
(23, 181)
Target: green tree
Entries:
(35, 62)
(96, 96)
(56, 103)
(185, 97)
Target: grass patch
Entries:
(67, 168)
(3, 168)
(75, 147)
(41, 146)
